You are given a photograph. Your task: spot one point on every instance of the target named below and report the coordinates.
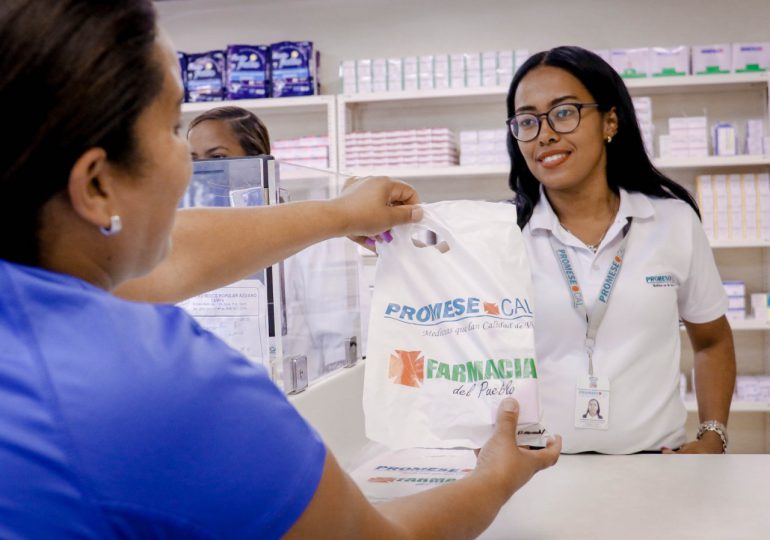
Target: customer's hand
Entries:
(370, 206)
(503, 460)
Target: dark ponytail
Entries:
(628, 165)
(74, 75)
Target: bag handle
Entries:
(430, 222)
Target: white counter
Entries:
(642, 497)
(591, 496)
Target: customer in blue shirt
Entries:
(124, 419)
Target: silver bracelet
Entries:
(717, 427)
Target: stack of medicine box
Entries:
(755, 136)
(430, 147)
(687, 137)
(734, 206)
(760, 306)
(483, 147)
(433, 71)
(643, 109)
(306, 151)
(736, 299)
(752, 387)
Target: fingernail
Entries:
(387, 236)
(369, 241)
(417, 213)
(510, 405)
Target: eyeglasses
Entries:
(563, 118)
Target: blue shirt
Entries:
(122, 419)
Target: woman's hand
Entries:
(369, 207)
(709, 443)
(502, 459)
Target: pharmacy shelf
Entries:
(736, 406)
(661, 84)
(745, 325)
(416, 173)
(737, 244)
(285, 104)
(713, 162)
(697, 83)
(750, 324)
(464, 171)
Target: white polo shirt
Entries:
(668, 273)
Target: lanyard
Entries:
(594, 319)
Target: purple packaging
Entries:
(182, 57)
(248, 71)
(294, 67)
(206, 76)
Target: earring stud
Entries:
(116, 225)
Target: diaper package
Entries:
(206, 76)
(451, 331)
(248, 71)
(182, 57)
(294, 66)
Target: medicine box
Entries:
(751, 57)
(712, 59)
(666, 62)
(395, 74)
(631, 63)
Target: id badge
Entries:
(592, 403)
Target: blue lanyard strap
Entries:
(595, 318)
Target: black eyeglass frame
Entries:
(578, 106)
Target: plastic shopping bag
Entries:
(451, 331)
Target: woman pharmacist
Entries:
(618, 256)
(127, 420)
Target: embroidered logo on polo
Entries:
(662, 280)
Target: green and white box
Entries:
(631, 63)
(751, 57)
(670, 62)
(712, 59)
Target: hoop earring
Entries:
(116, 225)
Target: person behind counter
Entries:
(618, 256)
(125, 419)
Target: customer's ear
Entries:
(91, 188)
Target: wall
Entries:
(348, 29)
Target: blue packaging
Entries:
(182, 57)
(206, 76)
(248, 71)
(294, 67)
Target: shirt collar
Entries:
(632, 205)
